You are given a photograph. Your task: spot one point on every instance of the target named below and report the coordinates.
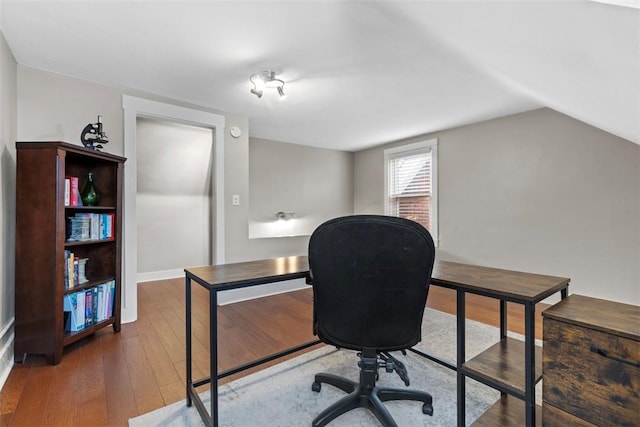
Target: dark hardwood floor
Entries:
(108, 378)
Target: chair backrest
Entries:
(370, 277)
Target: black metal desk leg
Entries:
(461, 355)
(529, 363)
(503, 319)
(188, 336)
(503, 326)
(213, 357)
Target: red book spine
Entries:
(74, 193)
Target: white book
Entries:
(82, 270)
(109, 226)
(101, 303)
(80, 310)
(67, 191)
(95, 226)
(69, 308)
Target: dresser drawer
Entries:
(584, 383)
(554, 417)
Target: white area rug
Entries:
(281, 395)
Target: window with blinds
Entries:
(410, 183)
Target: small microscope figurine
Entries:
(93, 134)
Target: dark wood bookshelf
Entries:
(41, 222)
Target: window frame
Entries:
(420, 147)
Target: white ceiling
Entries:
(357, 74)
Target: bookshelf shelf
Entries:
(90, 208)
(49, 268)
(89, 284)
(71, 337)
(87, 242)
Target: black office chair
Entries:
(370, 277)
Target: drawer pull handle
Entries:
(601, 352)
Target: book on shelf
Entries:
(70, 304)
(67, 254)
(80, 301)
(74, 305)
(67, 192)
(76, 277)
(75, 270)
(85, 226)
(79, 229)
(72, 192)
(71, 279)
(94, 304)
(82, 271)
(100, 307)
(70, 307)
(110, 220)
(109, 292)
(88, 307)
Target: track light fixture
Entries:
(266, 80)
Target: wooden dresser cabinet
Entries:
(591, 363)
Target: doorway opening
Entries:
(135, 108)
(174, 198)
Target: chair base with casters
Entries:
(365, 394)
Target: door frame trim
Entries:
(133, 108)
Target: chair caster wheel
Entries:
(427, 409)
(316, 386)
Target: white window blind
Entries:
(411, 189)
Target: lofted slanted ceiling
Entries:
(357, 73)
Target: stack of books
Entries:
(75, 272)
(71, 192)
(80, 228)
(91, 226)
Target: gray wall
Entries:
(8, 124)
(537, 191)
(52, 107)
(316, 184)
(173, 204)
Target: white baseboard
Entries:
(160, 275)
(7, 338)
(244, 294)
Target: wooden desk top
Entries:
(250, 273)
(509, 285)
(504, 284)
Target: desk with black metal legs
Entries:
(511, 366)
(222, 278)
